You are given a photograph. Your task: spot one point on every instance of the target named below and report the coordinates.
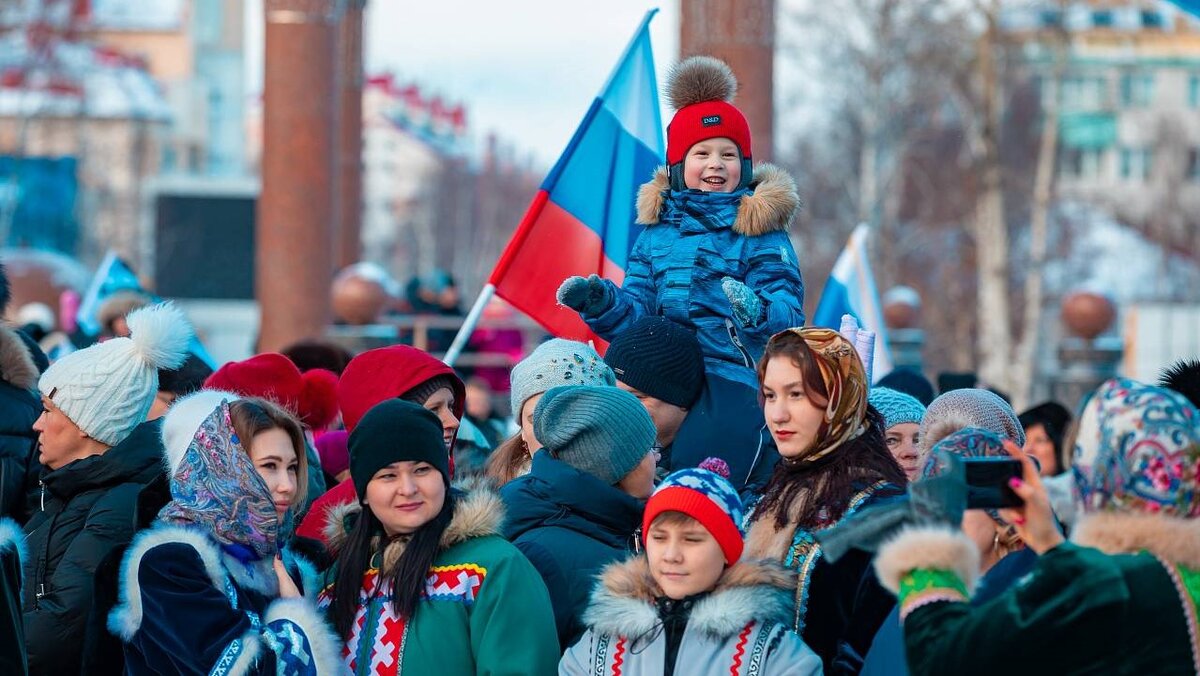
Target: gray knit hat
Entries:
(959, 409)
(896, 408)
(557, 362)
(603, 431)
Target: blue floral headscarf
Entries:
(1138, 450)
(216, 488)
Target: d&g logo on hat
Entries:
(710, 120)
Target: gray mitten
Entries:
(587, 296)
(747, 308)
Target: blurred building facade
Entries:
(1129, 134)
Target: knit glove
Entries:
(862, 340)
(748, 309)
(590, 296)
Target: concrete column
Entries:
(350, 134)
(742, 34)
(293, 252)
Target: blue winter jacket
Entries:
(569, 525)
(693, 241)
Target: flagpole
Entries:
(468, 325)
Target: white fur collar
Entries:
(1175, 540)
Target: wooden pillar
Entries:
(742, 34)
(293, 252)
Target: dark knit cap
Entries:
(186, 379)
(419, 394)
(660, 358)
(395, 431)
(910, 382)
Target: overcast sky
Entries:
(527, 69)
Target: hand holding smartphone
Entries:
(988, 484)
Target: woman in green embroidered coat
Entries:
(423, 583)
(834, 462)
(1120, 598)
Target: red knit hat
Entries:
(311, 396)
(708, 498)
(701, 89)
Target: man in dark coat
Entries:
(581, 504)
(99, 457)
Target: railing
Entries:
(416, 330)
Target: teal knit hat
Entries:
(557, 362)
(603, 431)
(896, 408)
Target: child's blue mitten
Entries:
(588, 296)
(747, 307)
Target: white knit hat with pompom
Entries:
(107, 389)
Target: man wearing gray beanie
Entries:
(581, 504)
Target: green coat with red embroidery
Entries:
(486, 610)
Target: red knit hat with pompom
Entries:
(311, 396)
(701, 90)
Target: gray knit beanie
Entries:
(959, 409)
(896, 408)
(603, 431)
(557, 362)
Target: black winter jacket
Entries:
(88, 513)
(20, 407)
(569, 525)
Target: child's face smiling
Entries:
(713, 165)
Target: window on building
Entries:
(1080, 92)
(1194, 90)
(1082, 163)
(1051, 18)
(1137, 90)
(1152, 19)
(1135, 163)
(1193, 165)
(1102, 18)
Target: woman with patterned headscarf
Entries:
(1121, 597)
(834, 463)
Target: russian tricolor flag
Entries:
(581, 221)
(851, 290)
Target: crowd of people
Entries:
(661, 509)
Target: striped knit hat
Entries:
(708, 498)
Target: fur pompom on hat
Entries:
(107, 389)
(311, 396)
(701, 89)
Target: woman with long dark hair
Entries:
(423, 582)
(834, 463)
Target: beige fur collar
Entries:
(1175, 540)
(478, 513)
(16, 365)
(631, 578)
(769, 208)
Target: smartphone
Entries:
(987, 482)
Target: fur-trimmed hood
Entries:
(1174, 540)
(623, 603)
(17, 367)
(770, 206)
(478, 512)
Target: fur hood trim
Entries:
(126, 618)
(12, 538)
(769, 208)
(1174, 540)
(623, 603)
(477, 513)
(928, 548)
(16, 364)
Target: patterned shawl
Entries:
(1138, 450)
(216, 488)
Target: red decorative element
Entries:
(741, 649)
(619, 657)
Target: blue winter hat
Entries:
(602, 431)
(896, 408)
(708, 498)
(554, 363)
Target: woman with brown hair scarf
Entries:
(834, 463)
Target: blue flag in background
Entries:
(851, 290)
